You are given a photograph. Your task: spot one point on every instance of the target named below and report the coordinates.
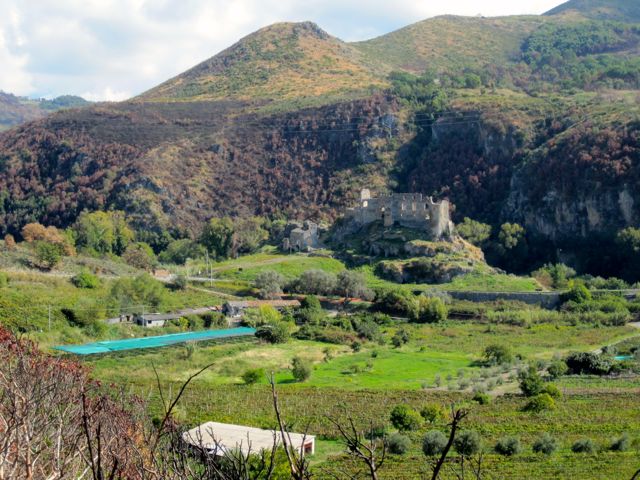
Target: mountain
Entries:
(527, 119)
(282, 61)
(617, 10)
(450, 42)
(16, 110)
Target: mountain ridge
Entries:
(617, 10)
(278, 60)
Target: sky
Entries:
(114, 49)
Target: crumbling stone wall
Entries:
(411, 210)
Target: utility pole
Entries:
(49, 309)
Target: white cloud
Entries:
(108, 94)
(111, 48)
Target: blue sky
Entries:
(114, 49)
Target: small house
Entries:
(218, 438)
(155, 319)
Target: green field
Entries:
(434, 350)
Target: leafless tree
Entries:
(40, 430)
(298, 462)
(365, 449)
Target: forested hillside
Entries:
(531, 120)
(16, 110)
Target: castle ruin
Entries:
(301, 238)
(410, 210)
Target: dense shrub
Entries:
(467, 443)
(401, 337)
(473, 231)
(214, 319)
(557, 368)
(433, 413)
(584, 445)
(48, 255)
(329, 334)
(616, 309)
(552, 390)
(269, 284)
(498, 354)
(578, 293)
(263, 315)
(253, 375)
(278, 331)
(429, 310)
(621, 444)
(531, 383)
(179, 282)
(540, 403)
(140, 255)
(398, 443)
(195, 322)
(404, 418)
(590, 363)
(301, 369)
(311, 302)
(545, 444)
(508, 446)
(611, 283)
(312, 316)
(433, 443)
(316, 282)
(85, 279)
(353, 285)
(128, 292)
(179, 251)
(481, 398)
(554, 276)
(395, 301)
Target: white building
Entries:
(217, 438)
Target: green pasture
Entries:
(444, 350)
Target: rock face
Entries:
(433, 262)
(563, 184)
(560, 217)
(586, 185)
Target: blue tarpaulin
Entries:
(153, 342)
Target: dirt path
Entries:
(215, 292)
(268, 261)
